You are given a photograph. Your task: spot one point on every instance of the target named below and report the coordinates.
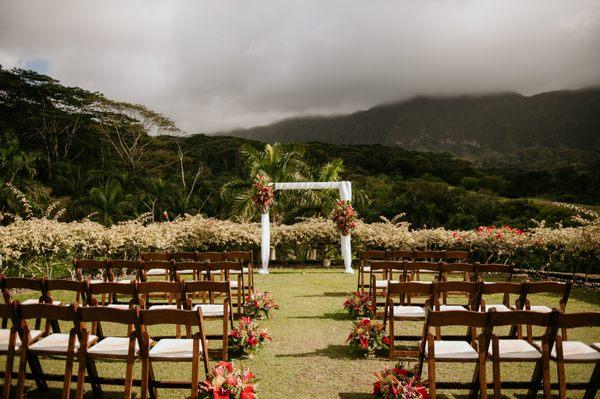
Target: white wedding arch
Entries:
(345, 189)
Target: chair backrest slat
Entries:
(169, 316)
(47, 311)
(148, 256)
(210, 256)
(112, 315)
(456, 318)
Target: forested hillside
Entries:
(69, 153)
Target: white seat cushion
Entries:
(498, 307)
(118, 306)
(156, 272)
(541, 309)
(96, 281)
(366, 269)
(57, 343)
(409, 311)
(451, 307)
(33, 301)
(211, 309)
(233, 283)
(125, 281)
(596, 345)
(187, 271)
(173, 348)
(163, 307)
(5, 336)
(453, 350)
(574, 350)
(516, 349)
(245, 271)
(384, 283)
(113, 346)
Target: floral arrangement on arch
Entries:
(344, 217)
(264, 193)
(259, 305)
(368, 336)
(225, 382)
(359, 304)
(248, 337)
(398, 383)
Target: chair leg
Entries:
(496, 367)
(195, 364)
(66, 391)
(392, 339)
(431, 365)
(225, 335)
(22, 370)
(129, 368)
(145, 376)
(83, 361)
(10, 357)
(594, 383)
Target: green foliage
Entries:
(113, 161)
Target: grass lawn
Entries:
(308, 357)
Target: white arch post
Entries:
(345, 189)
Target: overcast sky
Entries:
(217, 65)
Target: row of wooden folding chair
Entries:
(80, 346)
(245, 257)
(381, 273)
(489, 347)
(214, 299)
(230, 271)
(412, 256)
(400, 305)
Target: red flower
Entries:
(422, 391)
(364, 341)
(387, 340)
(248, 393)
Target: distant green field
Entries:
(308, 357)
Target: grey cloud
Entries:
(217, 65)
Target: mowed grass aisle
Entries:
(308, 357)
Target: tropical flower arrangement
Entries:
(344, 217)
(259, 305)
(398, 383)
(264, 193)
(360, 304)
(368, 336)
(248, 337)
(225, 382)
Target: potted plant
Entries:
(248, 337)
(225, 382)
(398, 383)
(259, 305)
(368, 336)
(359, 304)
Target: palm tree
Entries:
(111, 201)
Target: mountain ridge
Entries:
(500, 121)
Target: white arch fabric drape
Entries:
(345, 189)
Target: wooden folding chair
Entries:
(247, 259)
(400, 255)
(457, 257)
(108, 348)
(183, 257)
(211, 257)
(485, 270)
(414, 270)
(236, 281)
(8, 284)
(521, 350)
(92, 269)
(211, 309)
(465, 270)
(405, 310)
(563, 290)
(468, 290)
(577, 352)
(164, 271)
(112, 290)
(191, 349)
(154, 268)
(171, 290)
(462, 351)
(201, 270)
(504, 288)
(55, 345)
(364, 266)
(9, 344)
(79, 290)
(122, 271)
(381, 275)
